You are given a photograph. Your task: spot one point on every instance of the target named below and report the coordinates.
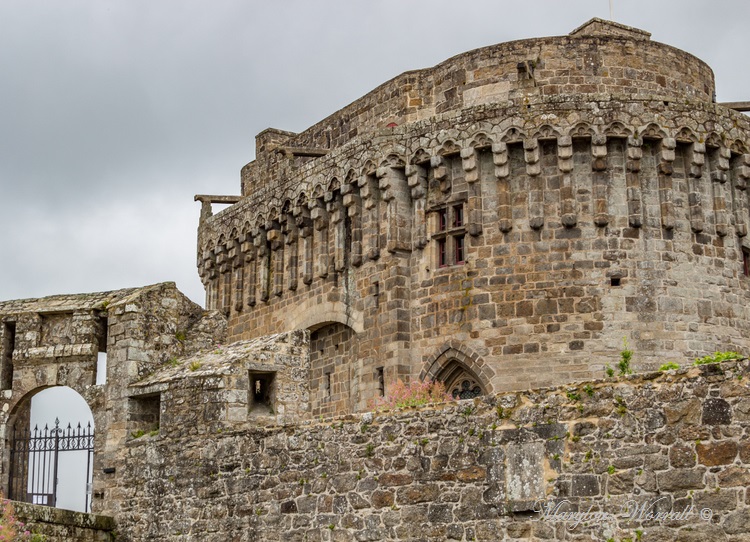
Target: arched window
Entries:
(459, 371)
(459, 381)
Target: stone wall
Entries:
(657, 443)
(65, 526)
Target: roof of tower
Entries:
(597, 27)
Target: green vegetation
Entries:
(718, 357)
(195, 365)
(626, 355)
(669, 366)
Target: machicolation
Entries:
(507, 222)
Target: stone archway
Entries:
(49, 449)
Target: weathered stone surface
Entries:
(716, 453)
(716, 411)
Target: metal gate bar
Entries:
(34, 460)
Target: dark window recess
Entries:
(450, 237)
(381, 381)
(376, 292)
(614, 281)
(6, 363)
(143, 414)
(327, 384)
(746, 261)
(458, 216)
(442, 252)
(261, 396)
(458, 243)
(442, 219)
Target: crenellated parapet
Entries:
(552, 220)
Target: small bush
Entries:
(416, 393)
(195, 365)
(626, 355)
(718, 357)
(669, 366)
(13, 530)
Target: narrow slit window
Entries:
(381, 381)
(746, 261)
(327, 385)
(6, 364)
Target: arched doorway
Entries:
(51, 450)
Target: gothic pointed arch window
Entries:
(459, 371)
(460, 383)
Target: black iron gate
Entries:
(34, 461)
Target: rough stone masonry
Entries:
(500, 222)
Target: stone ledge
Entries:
(34, 513)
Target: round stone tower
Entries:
(504, 220)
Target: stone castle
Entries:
(500, 222)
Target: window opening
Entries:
(442, 219)
(381, 381)
(459, 246)
(450, 237)
(458, 216)
(465, 388)
(261, 393)
(327, 384)
(746, 261)
(101, 357)
(6, 364)
(442, 252)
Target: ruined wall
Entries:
(55, 341)
(477, 470)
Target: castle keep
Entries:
(500, 222)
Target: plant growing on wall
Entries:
(416, 393)
(13, 530)
(718, 357)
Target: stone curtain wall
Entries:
(476, 470)
(65, 526)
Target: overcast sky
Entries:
(114, 113)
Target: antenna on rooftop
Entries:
(611, 11)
